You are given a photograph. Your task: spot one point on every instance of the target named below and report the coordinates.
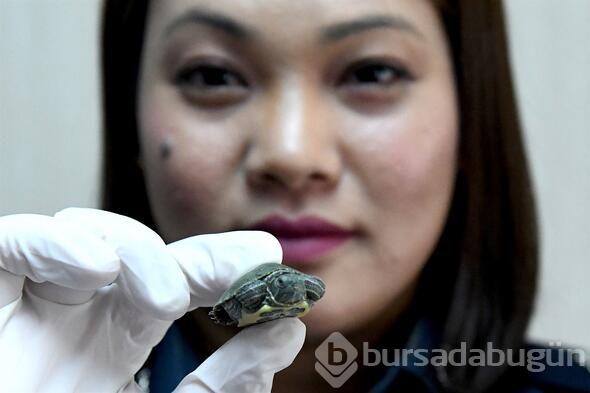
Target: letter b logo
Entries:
(336, 360)
(337, 356)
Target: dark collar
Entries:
(412, 371)
(170, 361)
(176, 356)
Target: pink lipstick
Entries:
(304, 239)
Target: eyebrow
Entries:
(211, 19)
(334, 32)
(345, 29)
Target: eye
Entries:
(210, 84)
(373, 74)
(281, 282)
(209, 77)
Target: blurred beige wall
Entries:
(551, 60)
(49, 105)
(49, 122)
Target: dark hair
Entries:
(485, 264)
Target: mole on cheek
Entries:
(165, 149)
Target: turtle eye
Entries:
(279, 285)
(284, 281)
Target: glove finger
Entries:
(45, 250)
(149, 276)
(213, 262)
(131, 387)
(249, 361)
(11, 287)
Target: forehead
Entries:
(295, 20)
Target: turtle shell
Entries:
(270, 291)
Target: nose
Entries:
(295, 148)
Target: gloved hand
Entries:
(85, 295)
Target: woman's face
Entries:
(331, 124)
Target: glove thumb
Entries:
(249, 361)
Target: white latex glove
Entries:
(85, 295)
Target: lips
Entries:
(304, 239)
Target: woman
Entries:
(392, 122)
(378, 141)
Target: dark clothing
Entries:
(176, 357)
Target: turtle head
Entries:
(287, 288)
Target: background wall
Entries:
(49, 105)
(49, 122)
(551, 59)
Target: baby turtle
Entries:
(270, 291)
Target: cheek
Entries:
(409, 182)
(415, 160)
(188, 172)
(416, 198)
(415, 170)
